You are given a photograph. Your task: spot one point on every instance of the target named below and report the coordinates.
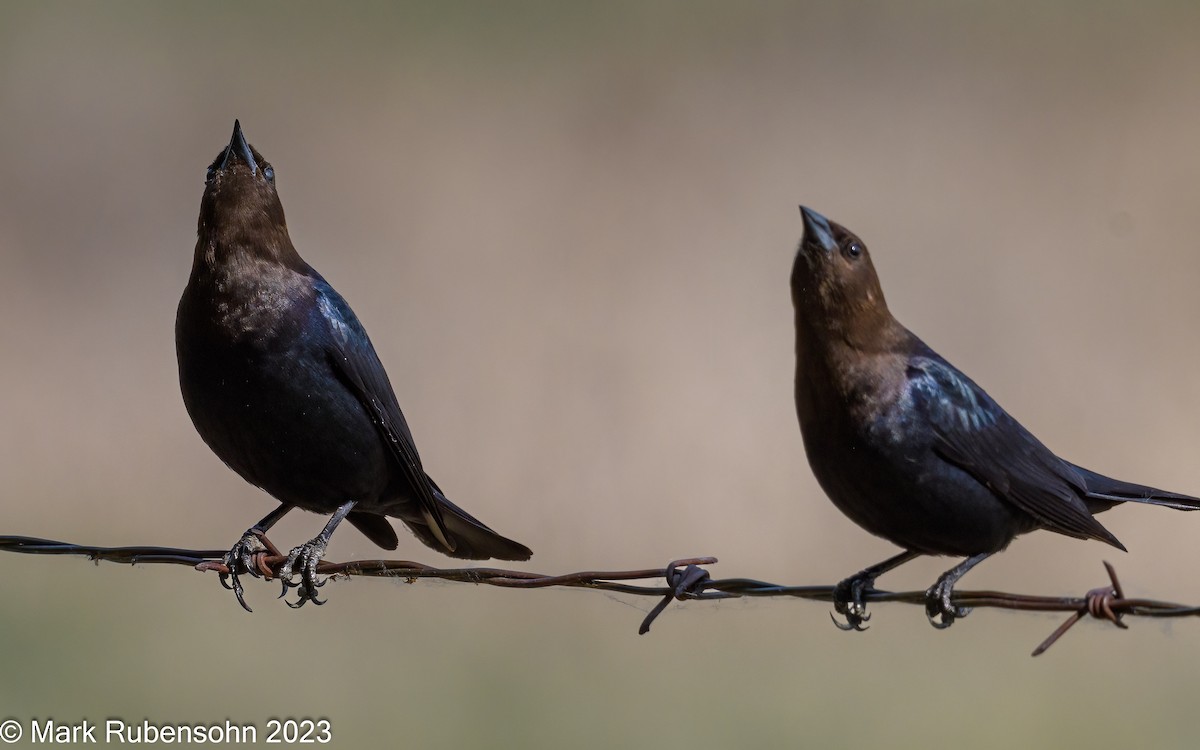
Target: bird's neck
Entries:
(837, 357)
(844, 374)
(224, 251)
(243, 294)
(866, 330)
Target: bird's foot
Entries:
(848, 602)
(938, 605)
(304, 559)
(245, 557)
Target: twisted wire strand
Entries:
(681, 580)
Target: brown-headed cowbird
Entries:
(910, 448)
(283, 384)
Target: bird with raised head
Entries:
(283, 384)
(911, 449)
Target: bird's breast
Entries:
(248, 302)
(260, 389)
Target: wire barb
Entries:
(1101, 603)
(690, 583)
(684, 580)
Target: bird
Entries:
(910, 448)
(282, 382)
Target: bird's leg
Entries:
(848, 595)
(307, 556)
(938, 608)
(240, 558)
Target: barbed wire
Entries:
(685, 580)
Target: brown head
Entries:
(835, 290)
(240, 211)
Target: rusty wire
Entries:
(684, 580)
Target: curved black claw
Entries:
(240, 559)
(939, 608)
(848, 602)
(306, 557)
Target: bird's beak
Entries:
(238, 148)
(816, 231)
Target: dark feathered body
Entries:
(907, 446)
(257, 380)
(283, 383)
(877, 461)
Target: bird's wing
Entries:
(975, 434)
(354, 358)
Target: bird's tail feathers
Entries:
(1100, 487)
(376, 528)
(470, 537)
(437, 529)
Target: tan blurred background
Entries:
(568, 228)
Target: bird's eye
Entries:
(269, 173)
(854, 251)
(208, 177)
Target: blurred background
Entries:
(568, 228)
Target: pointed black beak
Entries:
(238, 148)
(816, 230)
